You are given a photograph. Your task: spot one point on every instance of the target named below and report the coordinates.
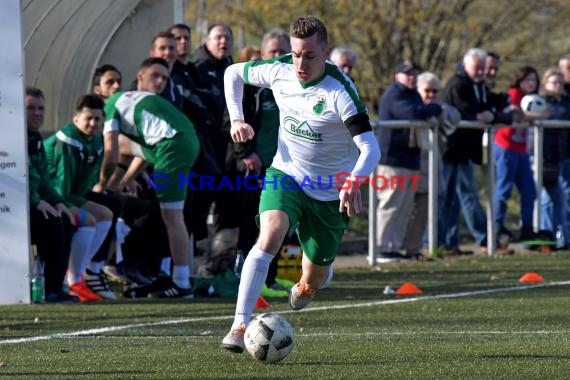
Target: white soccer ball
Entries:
(533, 105)
(269, 338)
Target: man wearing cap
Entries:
(400, 101)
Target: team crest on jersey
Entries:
(301, 129)
(319, 105)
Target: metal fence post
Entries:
(433, 189)
(491, 228)
(372, 204)
(537, 170)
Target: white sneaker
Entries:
(97, 283)
(300, 296)
(233, 341)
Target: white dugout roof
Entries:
(65, 40)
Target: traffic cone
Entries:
(408, 288)
(261, 303)
(531, 277)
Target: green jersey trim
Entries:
(314, 82)
(287, 58)
(333, 71)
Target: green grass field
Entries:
(473, 321)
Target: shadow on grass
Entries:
(524, 357)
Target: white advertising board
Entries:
(14, 217)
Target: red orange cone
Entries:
(408, 288)
(261, 303)
(531, 277)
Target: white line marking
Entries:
(435, 332)
(310, 309)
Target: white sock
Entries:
(96, 266)
(80, 243)
(327, 282)
(165, 265)
(253, 275)
(181, 276)
(101, 231)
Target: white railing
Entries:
(433, 168)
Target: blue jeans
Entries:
(461, 193)
(554, 207)
(513, 168)
(564, 183)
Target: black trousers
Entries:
(52, 238)
(147, 243)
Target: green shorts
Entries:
(173, 158)
(320, 225)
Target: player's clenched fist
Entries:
(241, 131)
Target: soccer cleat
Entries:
(233, 341)
(137, 277)
(300, 296)
(98, 284)
(391, 257)
(171, 290)
(273, 293)
(115, 273)
(286, 284)
(144, 290)
(61, 297)
(84, 293)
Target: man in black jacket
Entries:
(211, 60)
(467, 92)
(400, 101)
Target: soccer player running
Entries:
(323, 126)
(159, 134)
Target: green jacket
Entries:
(74, 163)
(41, 185)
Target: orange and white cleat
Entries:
(300, 296)
(234, 341)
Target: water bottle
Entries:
(38, 279)
(239, 263)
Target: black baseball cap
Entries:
(405, 67)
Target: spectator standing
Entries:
(564, 67)
(106, 81)
(512, 160)
(201, 96)
(467, 92)
(492, 66)
(556, 159)
(212, 58)
(400, 101)
(428, 85)
(345, 58)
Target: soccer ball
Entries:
(269, 338)
(533, 105)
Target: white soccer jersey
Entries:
(314, 144)
(144, 117)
